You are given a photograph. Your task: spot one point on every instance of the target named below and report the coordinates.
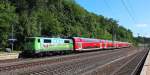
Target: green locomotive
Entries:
(35, 45)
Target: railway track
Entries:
(126, 66)
(28, 60)
(3, 62)
(133, 66)
(26, 63)
(74, 65)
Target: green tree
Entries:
(8, 17)
(57, 18)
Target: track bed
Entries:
(92, 63)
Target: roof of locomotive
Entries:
(48, 38)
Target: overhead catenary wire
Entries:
(108, 6)
(128, 8)
(132, 10)
(128, 11)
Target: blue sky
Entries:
(137, 20)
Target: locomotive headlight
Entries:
(67, 46)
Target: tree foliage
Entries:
(56, 18)
(8, 17)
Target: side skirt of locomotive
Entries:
(45, 53)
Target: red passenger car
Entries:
(103, 44)
(86, 44)
(110, 44)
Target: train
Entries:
(46, 45)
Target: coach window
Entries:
(47, 41)
(67, 41)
